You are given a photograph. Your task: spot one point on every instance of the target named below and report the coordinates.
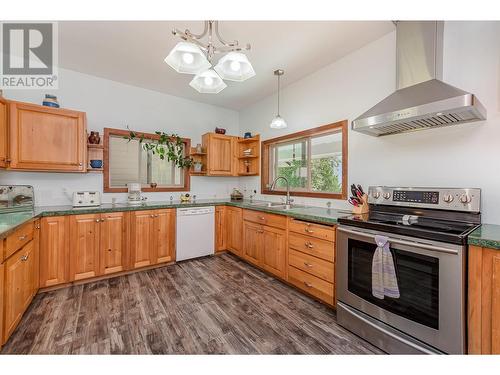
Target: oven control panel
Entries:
(468, 200)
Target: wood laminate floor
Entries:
(211, 305)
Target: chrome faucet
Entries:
(288, 200)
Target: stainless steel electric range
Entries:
(427, 230)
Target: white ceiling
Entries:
(132, 52)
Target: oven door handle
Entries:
(418, 245)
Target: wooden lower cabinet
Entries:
(113, 242)
(54, 251)
(220, 228)
(234, 228)
(152, 237)
(20, 286)
(273, 249)
(2, 299)
(484, 301)
(265, 247)
(84, 246)
(252, 242)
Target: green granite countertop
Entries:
(11, 221)
(487, 235)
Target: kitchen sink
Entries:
(276, 205)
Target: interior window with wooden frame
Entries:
(314, 161)
(126, 161)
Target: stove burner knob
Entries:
(387, 195)
(464, 198)
(376, 194)
(448, 198)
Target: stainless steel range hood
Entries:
(422, 100)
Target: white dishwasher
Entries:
(195, 232)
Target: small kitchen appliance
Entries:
(15, 198)
(86, 198)
(426, 229)
(134, 193)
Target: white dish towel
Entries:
(384, 281)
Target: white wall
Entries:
(467, 155)
(115, 105)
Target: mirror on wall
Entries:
(126, 161)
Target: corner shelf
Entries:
(249, 140)
(94, 152)
(200, 157)
(248, 165)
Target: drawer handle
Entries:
(309, 245)
(307, 230)
(24, 258)
(308, 264)
(23, 237)
(307, 284)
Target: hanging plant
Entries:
(168, 147)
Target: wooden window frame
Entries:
(123, 133)
(324, 129)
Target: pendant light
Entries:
(278, 122)
(208, 82)
(187, 58)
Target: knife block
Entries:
(363, 209)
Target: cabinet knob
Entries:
(24, 258)
(23, 237)
(152, 215)
(309, 245)
(307, 230)
(308, 264)
(262, 218)
(307, 284)
(80, 164)
(97, 220)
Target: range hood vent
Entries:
(423, 100)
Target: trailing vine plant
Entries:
(167, 146)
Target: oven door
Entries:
(430, 277)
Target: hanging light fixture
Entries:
(187, 58)
(278, 122)
(208, 82)
(194, 57)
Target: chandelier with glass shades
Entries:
(191, 56)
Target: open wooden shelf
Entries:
(94, 152)
(248, 174)
(202, 173)
(248, 157)
(248, 165)
(249, 140)
(99, 146)
(95, 170)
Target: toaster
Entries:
(86, 198)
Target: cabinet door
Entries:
(273, 251)
(19, 284)
(220, 228)
(84, 244)
(141, 238)
(220, 152)
(54, 251)
(3, 133)
(43, 138)
(113, 244)
(234, 228)
(252, 242)
(164, 236)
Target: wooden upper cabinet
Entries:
(141, 238)
(273, 251)
(234, 227)
(164, 236)
(221, 157)
(3, 133)
(220, 228)
(252, 242)
(54, 251)
(114, 253)
(48, 139)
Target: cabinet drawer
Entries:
(312, 246)
(323, 232)
(272, 220)
(18, 239)
(315, 266)
(311, 284)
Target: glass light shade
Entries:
(278, 123)
(234, 66)
(208, 82)
(187, 58)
